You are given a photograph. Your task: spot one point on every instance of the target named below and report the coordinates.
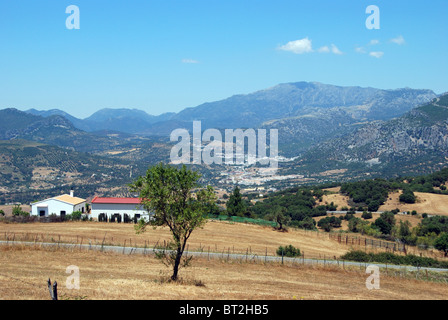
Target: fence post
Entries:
(53, 289)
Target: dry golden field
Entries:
(112, 276)
(426, 203)
(216, 236)
(430, 203)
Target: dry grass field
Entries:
(335, 197)
(216, 236)
(426, 203)
(112, 276)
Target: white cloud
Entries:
(398, 40)
(298, 46)
(360, 50)
(324, 49)
(189, 61)
(376, 54)
(335, 49)
(374, 42)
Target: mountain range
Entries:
(325, 128)
(414, 143)
(284, 101)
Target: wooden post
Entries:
(53, 289)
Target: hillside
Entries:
(303, 98)
(415, 143)
(287, 103)
(29, 169)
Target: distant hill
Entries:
(28, 167)
(415, 142)
(284, 103)
(54, 130)
(58, 131)
(290, 100)
(131, 121)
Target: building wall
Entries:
(55, 206)
(113, 208)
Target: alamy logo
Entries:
(73, 20)
(232, 151)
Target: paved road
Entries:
(215, 255)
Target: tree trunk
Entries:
(176, 264)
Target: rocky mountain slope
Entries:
(416, 141)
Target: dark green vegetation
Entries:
(390, 258)
(370, 194)
(288, 251)
(298, 204)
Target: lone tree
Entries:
(177, 201)
(441, 243)
(236, 206)
(279, 216)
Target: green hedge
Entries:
(244, 220)
(390, 258)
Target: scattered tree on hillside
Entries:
(441, 243)
(279, 216)
(329, 223)
(236, 206)
(385, 222)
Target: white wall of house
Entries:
(117, 208)
(53, 206)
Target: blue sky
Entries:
(166, 55)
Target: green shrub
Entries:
(366, 215)
(288, 251)
(76, 216)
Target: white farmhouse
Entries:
(118, 209)
(60, 206)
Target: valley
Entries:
(320, 141)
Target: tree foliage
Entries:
(236, 206)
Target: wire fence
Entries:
(366, 242)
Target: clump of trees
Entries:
(295, 207)
(328, 223)
(407, 196)
(370, 194)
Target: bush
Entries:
(407, 197)
(329, 223)
(288, 251)
(76, 216)
(17, 211)
(441, 243)
(366, 215)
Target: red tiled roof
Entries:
(117, 200)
